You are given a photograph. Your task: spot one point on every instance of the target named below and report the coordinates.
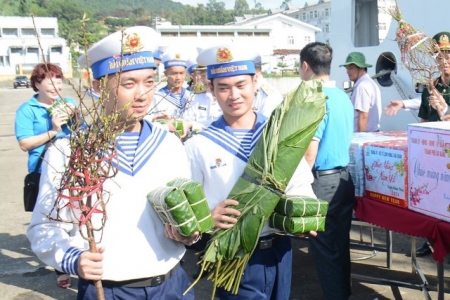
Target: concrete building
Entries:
(277, 37)
(20, 49)
(316, 13)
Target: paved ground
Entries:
(22, 276)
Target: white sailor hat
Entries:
(174, 57)
(126, 50)
(159, 53)
(258, 60)
(191, 65)
(228, 60)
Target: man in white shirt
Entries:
(366, 96)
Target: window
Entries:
(56, 50)
(169, 34)
(307, 39)
(33, 51)
(327, 28)
(208, 33)
(188, 34)
(226, 34)
(245, 34)
(10, 31)
(304, 16)
(315, 14)
(4, 61)
(327, 13)
(290, 40)
(48, 31)
(261, 34)
(365, 34)
(16, 50)
(311, 15)
(28, 32)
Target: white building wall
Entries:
(318, 15)
(189, 38)
(263, 34)
(20, 50)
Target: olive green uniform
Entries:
(427, 112)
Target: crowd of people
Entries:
(223, 109)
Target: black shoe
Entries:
(423, 250)
(197, 272)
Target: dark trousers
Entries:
(171, 289)
(267, 275)
(330, 250)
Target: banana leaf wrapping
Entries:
(300, 206)
(196, 197)
(269, 169)
(172, 206)
(178, 124)
(60, 108)
(296, 225)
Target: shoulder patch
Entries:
(267, 89)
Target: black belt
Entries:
(319, 173)
(141, 282)
(267, 242)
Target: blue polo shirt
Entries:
(32, 119)
(335, 132)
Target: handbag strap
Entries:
(41, 157)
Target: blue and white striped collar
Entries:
(149, 140)
(221, 134)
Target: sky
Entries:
(229, 4)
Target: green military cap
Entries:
(442, 40)
(356, 58)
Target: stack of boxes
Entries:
(407, 169)
(386, 171)
(356, 164)
(429, 172)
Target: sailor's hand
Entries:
(393, 107)
(172, 233)
(311, 233)
(186, 126)
(90, 265)
(437, 101)
(224, 215)
(445, 118)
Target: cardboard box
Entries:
(386, 171)
(429, 169)
(356, 164)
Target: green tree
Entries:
(258, 8)
(217, 13)
(285, 4)
(241, 7)
(23, 7)
(201, 15)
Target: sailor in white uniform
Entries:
(204, 109)
(218, 156)
(172, 100)
(138, 257)
(267, 97)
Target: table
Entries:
(407, 222)
(411, 223)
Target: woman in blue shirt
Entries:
(35, 127)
